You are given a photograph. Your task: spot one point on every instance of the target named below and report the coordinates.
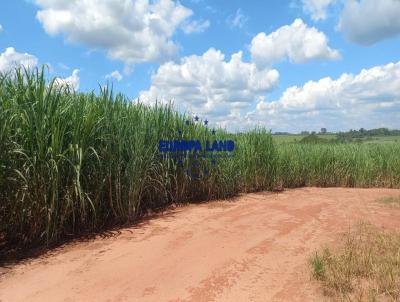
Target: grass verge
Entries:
(364, 267)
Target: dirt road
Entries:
(254, 248)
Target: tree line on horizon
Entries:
(361, 133)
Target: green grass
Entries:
(73, 163)
(318, 266)
(347, 165)
(292, 138)
(384, 139)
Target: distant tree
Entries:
(305, 133)
(363, 134)
(313, 133)
(323, 130)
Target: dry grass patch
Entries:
(364, 267)
(391, 201)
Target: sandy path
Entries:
(253, 249)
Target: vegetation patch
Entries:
(391, 201)
(364, 267)
(315, 139)
(74, 163)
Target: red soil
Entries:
(253, 248)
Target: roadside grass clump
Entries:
(365, 266)
(317, 266)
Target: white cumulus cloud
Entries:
(317, 9)
(210, 85)
(115, 74)
(11, 59)
(132, 31)
(369, 21)
(296, 42)
(71, 82)
(368, 99)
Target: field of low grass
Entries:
(384, 139)
(293, 138)
(73, 163)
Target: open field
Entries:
(255, 247)
(292, 138)
(381, 139)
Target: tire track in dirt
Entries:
(252, 248)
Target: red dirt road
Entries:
(254, 248)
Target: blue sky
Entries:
(286, 65)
